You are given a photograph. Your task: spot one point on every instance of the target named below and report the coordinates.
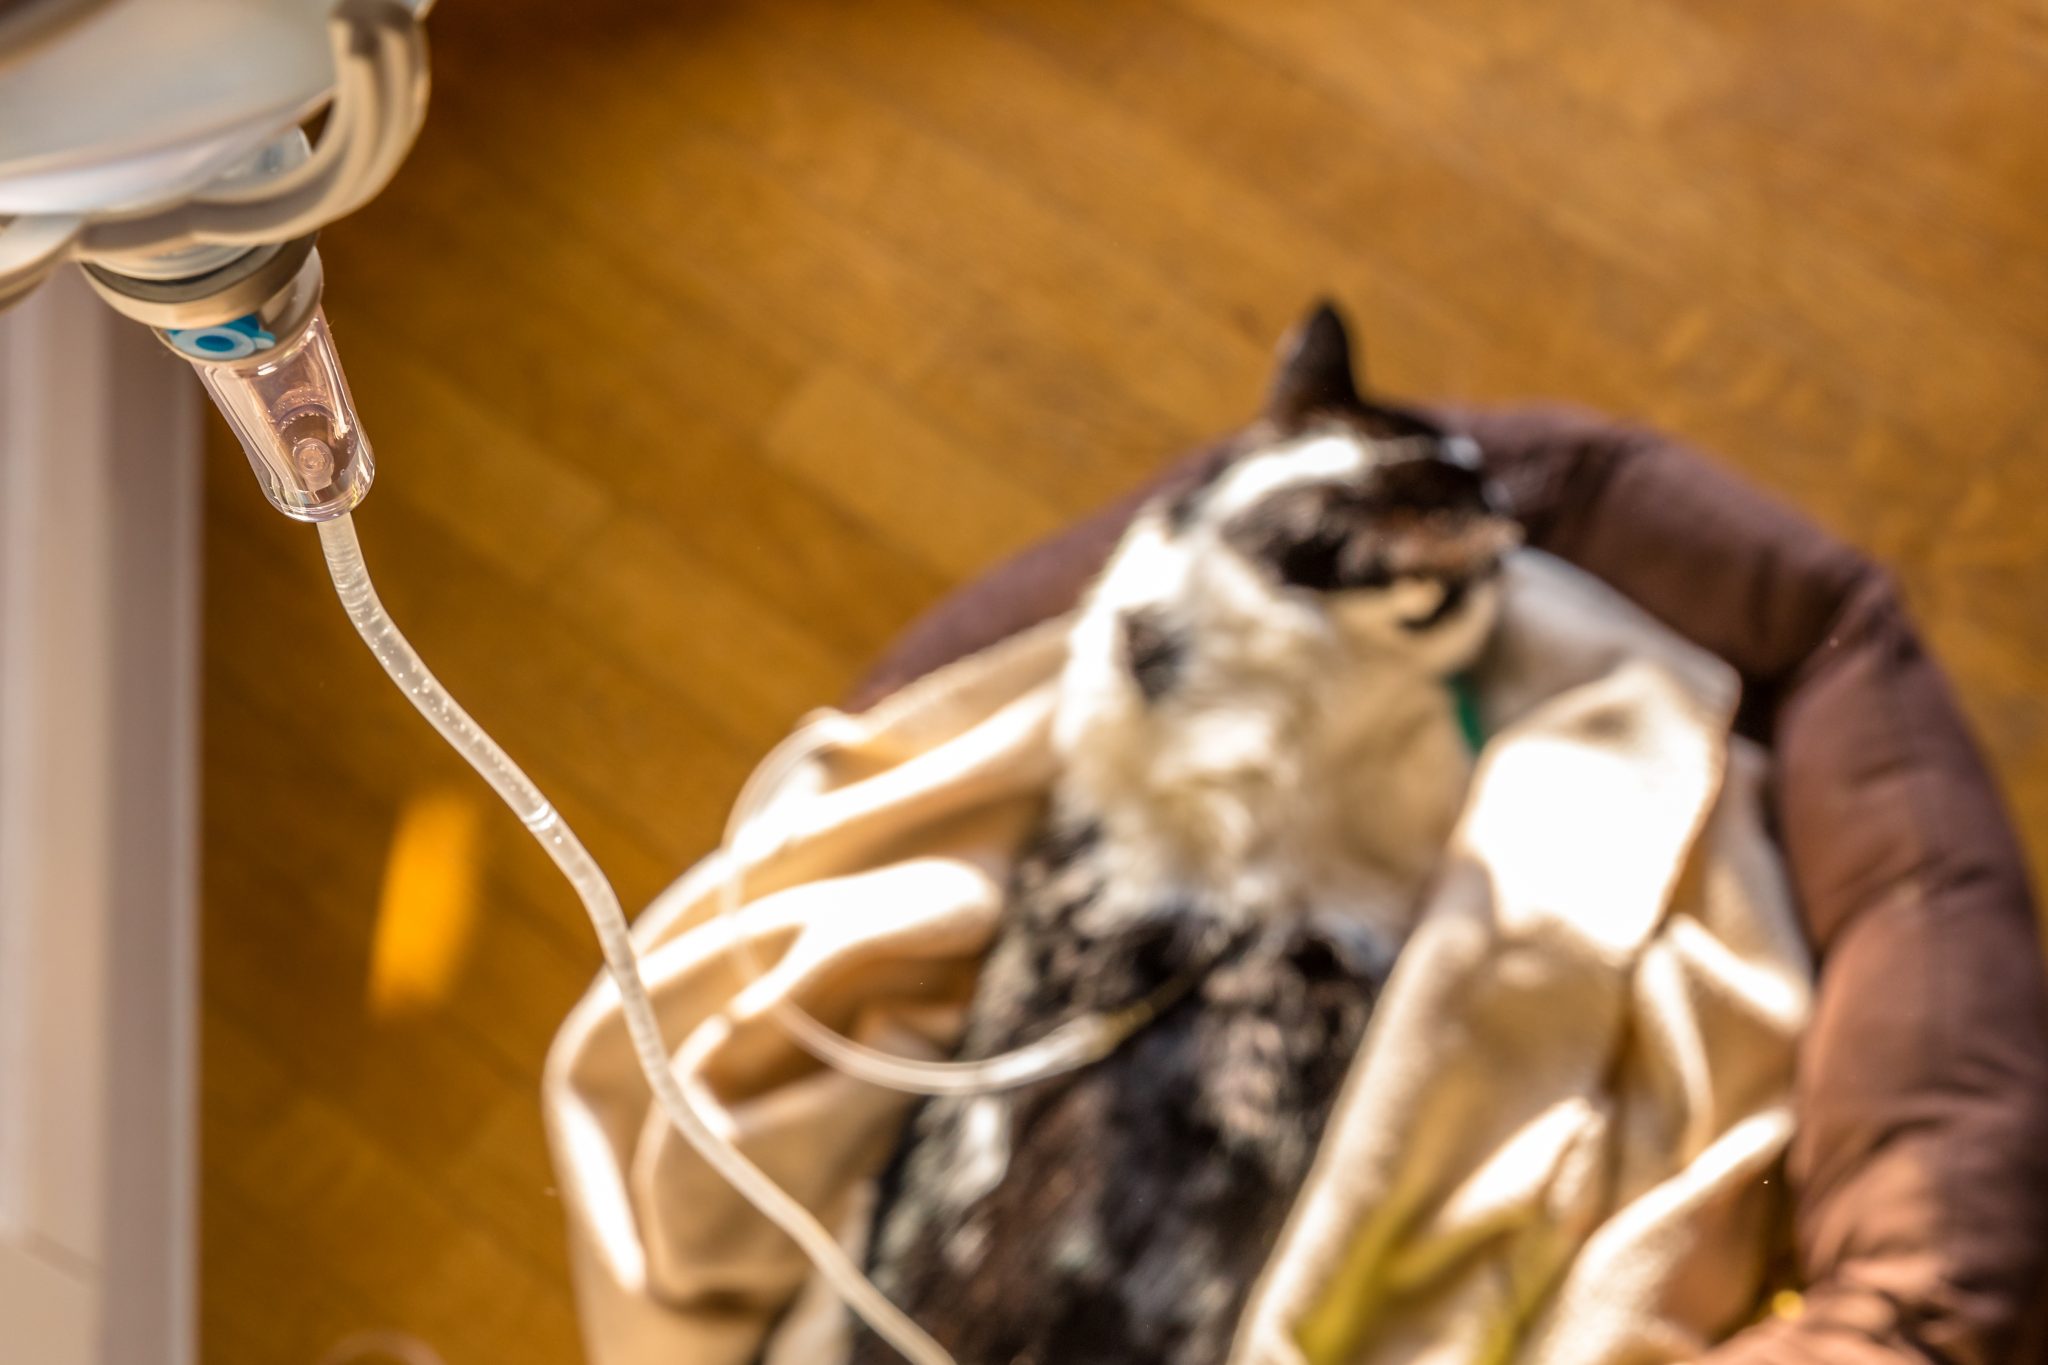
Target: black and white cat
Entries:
(1266, 650)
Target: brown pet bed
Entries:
(1920, 1168)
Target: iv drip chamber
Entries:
(274, 374)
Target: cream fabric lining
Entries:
(1558, 1143)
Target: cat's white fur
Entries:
(1308, 755)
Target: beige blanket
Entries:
(1558, 1143)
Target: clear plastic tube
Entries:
(686, 1106)
(1065, 1049)
(1069, 1047)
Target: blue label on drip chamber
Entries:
(224, 341)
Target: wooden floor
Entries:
(704, 343)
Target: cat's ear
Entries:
(1315, 371)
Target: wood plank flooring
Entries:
(703, 344)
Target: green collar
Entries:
(1465, 700)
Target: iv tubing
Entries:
(685, 1106)
(1073, 1045)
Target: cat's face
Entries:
(1384, 518)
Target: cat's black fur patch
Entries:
(1157, 651)
(1309, 538)
(1144, 1193)
(1401, 516)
